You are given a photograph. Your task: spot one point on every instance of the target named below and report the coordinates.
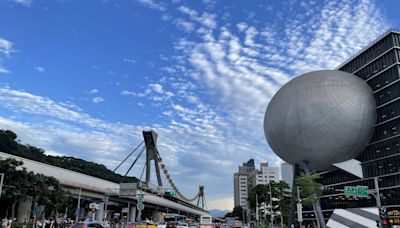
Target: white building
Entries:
(248, 177)
(267, 174)
(287, 173)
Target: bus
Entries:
(206, 221)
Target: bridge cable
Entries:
(136, 159)
(171, 182)
(128, 156)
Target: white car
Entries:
(182, 225)
(162, 225)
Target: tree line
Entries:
(280, 195)
(20, 185)
(277, 192)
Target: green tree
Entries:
(280, 191)
(20, 184)
(310, 190)
(237, 212)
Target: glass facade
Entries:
(379, 66)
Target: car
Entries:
(182, 225)
(194, 225)
(94, 224)
(172, 224)
(143, 224)
(162, 225)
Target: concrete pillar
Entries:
(24, 209)
(100, 212)
(132, 213)
(156, 214)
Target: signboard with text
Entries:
(358, 191)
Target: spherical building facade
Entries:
(321, 117)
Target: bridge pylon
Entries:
(201, 198)
(150, 140)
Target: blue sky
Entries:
(84, 78)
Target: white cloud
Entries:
(26, 3)
(128, 93)
(4, 70)
(6, 47)
(39, 68)
(97, 100)
(156, 88)
(93, 91)
(206, 19)
(184, 25)
(126, 60)
(152, 5)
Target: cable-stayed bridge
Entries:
(121, 199)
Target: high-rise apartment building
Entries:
(248, 177)
(379, 65)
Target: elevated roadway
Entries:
(98, 188)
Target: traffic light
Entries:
(383, 218)
(328, 190)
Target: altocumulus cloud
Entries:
(221, 83)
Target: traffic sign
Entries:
(362, 191)
(359, 191)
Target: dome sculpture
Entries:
(321, 117)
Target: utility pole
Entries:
(78, 207)
(270, 202)
(1, 182)
(257, 215)
(299, 207)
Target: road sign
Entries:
(350, 190)
(362, 191)
(299, 212)
(172, 193)
(359, 191)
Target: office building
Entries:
(379, 65)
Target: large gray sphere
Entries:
(321, 117)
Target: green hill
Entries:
(10, 144)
